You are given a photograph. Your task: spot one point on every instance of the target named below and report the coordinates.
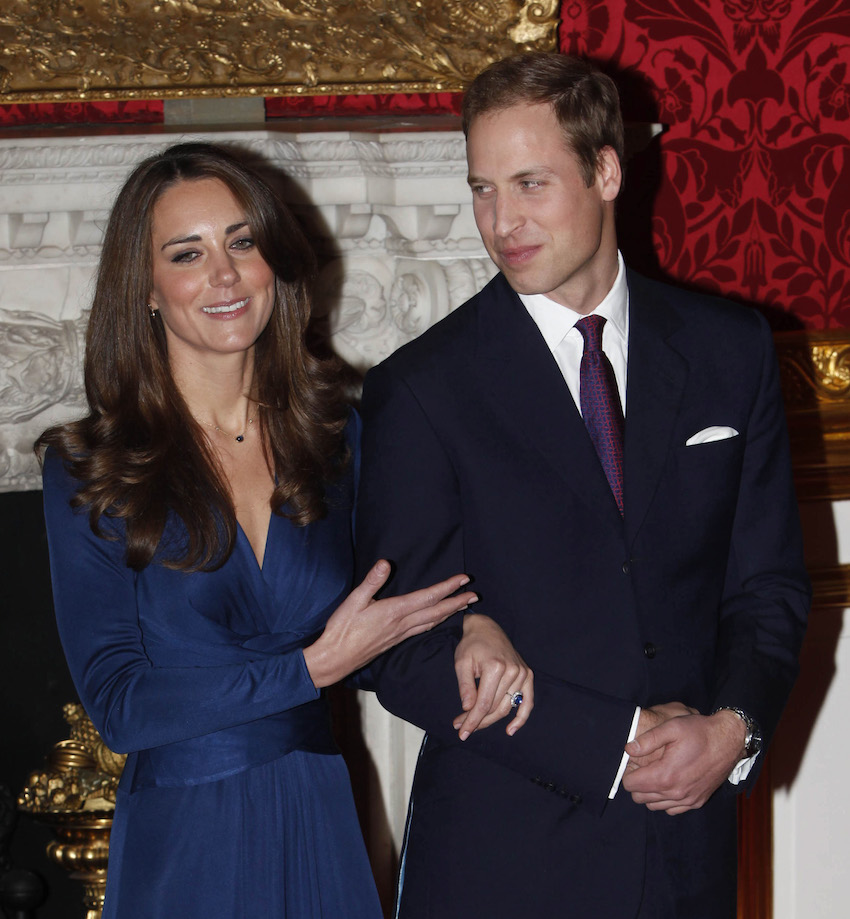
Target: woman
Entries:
(199, 523)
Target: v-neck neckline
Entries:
(240, 531)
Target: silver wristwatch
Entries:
(752, 742)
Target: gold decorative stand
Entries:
(75, 797)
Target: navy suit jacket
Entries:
(476, 459)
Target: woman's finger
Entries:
(523, 709)
(427, 597)
(375, 579)
(423, 618)
(465, 673)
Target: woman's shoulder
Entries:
(56, 474)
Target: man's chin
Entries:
(524, 285)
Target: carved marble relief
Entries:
(390, 216)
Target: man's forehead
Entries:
(521, 137)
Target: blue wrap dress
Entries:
(234, 802)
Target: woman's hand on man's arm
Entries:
(491, 677)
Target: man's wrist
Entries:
(752, 733)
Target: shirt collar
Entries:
(556, 321)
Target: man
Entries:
(651, 576)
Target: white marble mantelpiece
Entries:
(394, 229)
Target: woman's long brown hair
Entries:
(138, 453)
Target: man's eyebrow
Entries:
(178, 241)
(530, 172)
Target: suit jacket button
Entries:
(626, 567)
(649, 650)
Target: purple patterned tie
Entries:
(600, 404)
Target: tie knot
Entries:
(591, 331)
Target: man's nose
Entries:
(507, 215)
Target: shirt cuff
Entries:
(625, 759)
(742, 769)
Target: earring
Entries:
(153, 311)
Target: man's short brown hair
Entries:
(585, 100)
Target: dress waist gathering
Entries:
(215, 756)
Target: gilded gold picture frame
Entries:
(74, 50)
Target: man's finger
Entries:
(650, 741)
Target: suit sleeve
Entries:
(410, 511)
(766, 595)
(134, 704)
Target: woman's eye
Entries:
(244, 242)
(184, 257)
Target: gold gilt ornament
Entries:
(61, 50)
(75, 796)
(815, 373)
(814, 368)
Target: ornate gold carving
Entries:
(815, 369)
(75, 796)
(59, 50)
(815, 373)
(82, 848)
(82, 772)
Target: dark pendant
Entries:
(240, 438)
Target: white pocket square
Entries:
(707, 435)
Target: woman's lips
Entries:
(226, 309)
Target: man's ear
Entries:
(609, 173)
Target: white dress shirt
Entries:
(557, 325)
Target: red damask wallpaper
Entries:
(42, 113)
(749, 186)
(388, 104)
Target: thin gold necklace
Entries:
(239, 438)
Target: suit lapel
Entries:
(527, 387)
(657, 374)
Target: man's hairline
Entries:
(496, 108)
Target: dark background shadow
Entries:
(34, 685)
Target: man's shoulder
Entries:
(449, 339)
(695, 312)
